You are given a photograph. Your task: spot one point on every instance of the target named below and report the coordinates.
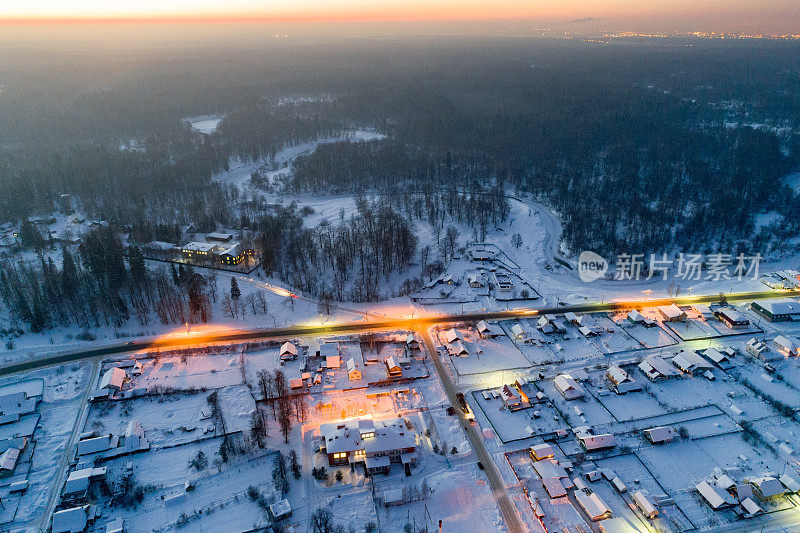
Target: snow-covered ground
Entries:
(205, 124)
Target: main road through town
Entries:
(510, 514)
(200, 338)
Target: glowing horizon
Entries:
(680, 15)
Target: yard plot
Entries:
(217, 502)
(637, 477)
(780, 391)
(653, 337)
(580, 412)
(632, 405)
(175, 418)
(691, 392)
(709, 412)
(692, 329)
(618, 341)
(488, 355)
(460, 497)
(724, 330)
(189, 372)
(539, 419)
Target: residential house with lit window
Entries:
(375, 443)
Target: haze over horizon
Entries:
(768, 17)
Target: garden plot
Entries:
(516, 425)
(653, 337)
(671, 419)
(218, 501)
(488, 355)
(723, 329)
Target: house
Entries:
(411, 342)
(333, 362)
(134, 437)
(621, 381)
(671, 313)
(586, 331)
(457, 349)
(767, 487)
(751, 507)
(474, 280)
(514, 400)
(374, 443)
(732, 318)
(720, 359)
(554, 487)
(788, 346)
(760, 350)
(99, 444)
(688, 361)
(645, 504)
(353, 372)
(635, 317)
(482, 255)
(657, 369)
(519, 332)
(72, 520)
(572, 318)
(778, 309)
(288, 351)
(541, 451)
(113, 379)
(78, 481)
(661, 434)
(392, 368)
(280, 510)
(8, 461)
(393, 497)
(568, 387)
(713, 496)
(451, 335)
(219, 237)
(297, 384)
(593, 505)
(116, 526)
(16, 404)
(488, 331)
(592, 442)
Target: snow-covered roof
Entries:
(617, 374)
(219, 236)
(671, 311)
(345, 436)
(8, 460)
(661, 433)
(457, 348)
(351, 365)
(113, 378)
(716, 356)
(333, 361)
(750, 506)
(710, 494)
(767, 486)
(790, 345)
(280, 508)
(70, 520)
(197, 246)
(594, 506)
(566, 383)
(554, 487)
(779, 306)
(542, 451)
(288, 348)
(635, 316)
(655, 367)
(732, 315)
(391, 364)
(451, 335)
(688, 361)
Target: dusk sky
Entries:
(776, 16)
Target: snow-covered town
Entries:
(361, 272)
